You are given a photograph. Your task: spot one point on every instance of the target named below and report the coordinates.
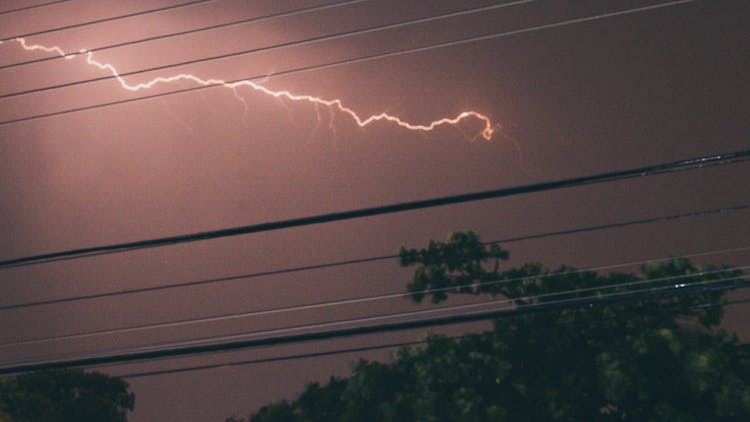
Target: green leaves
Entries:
(464, 265)
(659, 359)
(65, 395)
(461, 264)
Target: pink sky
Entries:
(615, 93)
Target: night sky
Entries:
(630, 90)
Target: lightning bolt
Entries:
(335, 104)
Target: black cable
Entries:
(19, 9)
(193, 31)
(594, 300)
(671, 167)
(699, 213)
(311, 40)
(347, 61)
(272, 359)
(387, 296)
(113, 18)
(356, 261)
(316, 354)
(680, 282)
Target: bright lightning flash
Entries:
(335, 104)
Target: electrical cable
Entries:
(672, 217)
(356, 261)
(391, 315)
(660, 6)
(20, 9)
(255, 19)
(312, 40)
(619, 297)
(663, 168)
(102, 20)
(271, 359)
(315, 354)
(361, 299)
(245, 336)
(346, 61)
(373, 259)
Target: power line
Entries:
(201, 29)
(20, 9)
(728, 303)
(360, 59)
(671, 167)
(306, 41)
(314, 354)
(494, 302)
(148, 246)
(661, 219)
(113, 18)
(395, 295)
(272, 359)
(368, 259)
(245, 336)
(620, 297)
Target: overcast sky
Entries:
(627, 90)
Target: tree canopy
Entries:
(661, 358)
(70, 395)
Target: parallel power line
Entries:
(353, 217)
(306, 41)
(732, 283)
(254, 19)
(348, 61)
(380, 346)
(308, 355)
(36, 6)
(677, 281)
(381, 297)
(246, 276)
(670, 167)
(593, 300)
(109, 19)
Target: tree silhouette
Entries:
(64, 395)
(656, 358)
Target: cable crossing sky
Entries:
(215, 280)
(382, 297)
(669, 167)
(593, 300)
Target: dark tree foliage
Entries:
(656, 359)
(64, 395)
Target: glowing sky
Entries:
(614, 93)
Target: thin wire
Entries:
(254, 334)
(359, 300)
(281, 271)
(347, 61)
(673, 217)
(110, 19)
(391, 315)
(319, 354)
(731, 302)
(20, 9)
(312, 40)
(136, 355)
(272, 359)
(375, 259)
(255, 19)
(672, 167)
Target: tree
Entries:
(64, 395)
(656, 358)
